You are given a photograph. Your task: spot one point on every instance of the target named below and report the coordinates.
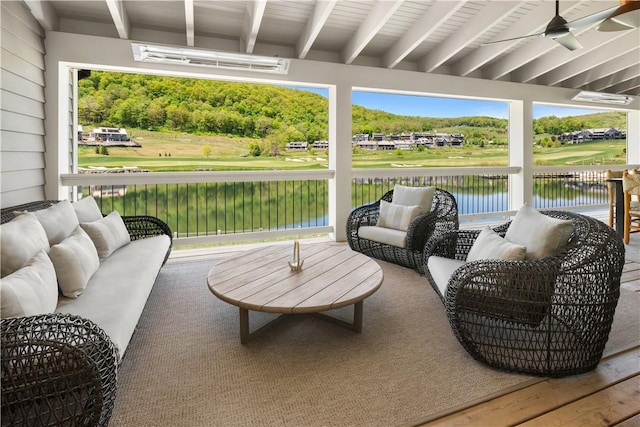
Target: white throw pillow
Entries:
(30, 290)
(414, 196)
(87, 209)
(75, 260)
(542, 235)
(20, 240)
(108, 234)
(490, 245)
(58, 221)
(396, 216)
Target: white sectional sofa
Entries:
(104, 266)
(74, 285)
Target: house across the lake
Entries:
(599, 134)
(108, 136)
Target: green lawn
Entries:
(184, 152)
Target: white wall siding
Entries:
(22, 84)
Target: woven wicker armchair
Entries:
(442, 218)
(139, 226)
(549, 316)
(57, 369)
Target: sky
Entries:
(424, 106)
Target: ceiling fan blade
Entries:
(591, 19)
(569, 41)
(610, 25)
(513, 39)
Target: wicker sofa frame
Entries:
(57, 369)
(60, 369)
(545, 317)
(442, 218)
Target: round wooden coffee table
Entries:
(333, 276)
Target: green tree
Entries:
(254, 149)
(206, 150)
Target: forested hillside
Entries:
(260, 110)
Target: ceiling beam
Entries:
(533, 22)
(438, 14)
(562, 63)
(614, 64)
(319, 17)
(535, 47)
(491, 14)
(602, 54)
(379, 16)
(615, 78)
(189, 22)
(120, 18)
(44, 13)
(251, 25)
(625, 86)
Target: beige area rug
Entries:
(185, 365)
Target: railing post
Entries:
(340, 159)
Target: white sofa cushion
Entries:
(540, 234)
(117, 293)
(20, 239)
(30, 290)
(490, 245)
(396, 216)
(58, 221)
(87, 209)
(414, 196)
(384, 235)
(108, 234)
(75, 260)
(441, 269)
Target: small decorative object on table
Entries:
(296, 262)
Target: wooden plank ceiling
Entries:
(431, 36)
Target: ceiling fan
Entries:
(559, 29)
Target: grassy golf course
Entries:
(163, 151)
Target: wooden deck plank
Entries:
(630, 422)
(540, 398)
(604, 408)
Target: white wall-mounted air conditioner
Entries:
(206, 58)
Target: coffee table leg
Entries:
(358, 308)
(355, 326)
(244, 325)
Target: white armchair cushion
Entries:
(414, 196)
(87, 209)
(396, 216)
(30, 290)
(542, 235)
(75, 259)
(388, 236)
(490, 245)
(441, 269)
(20, 240)
(58, 221)
(108, 234)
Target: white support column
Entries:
(340, 159)
(521, 153)
(59, 112)
(633, 137)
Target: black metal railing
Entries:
(232, 206)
